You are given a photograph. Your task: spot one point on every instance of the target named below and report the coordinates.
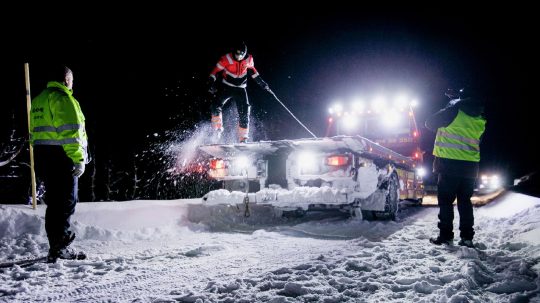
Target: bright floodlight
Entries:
(400, 101)
(391, 118)
(307, 162)
(337, 108)
(378, 104)
(421, 171)
(495, 182)
(358, 105)
(414, 103)
(350, 121)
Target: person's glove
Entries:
(211, 86)
(78, 169)
(453, 103)
(452, 94)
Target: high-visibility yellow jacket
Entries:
(56, 119)
(461, 139)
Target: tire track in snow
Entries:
(140, 286)
(105, 291)
(162, 275)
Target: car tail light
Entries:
(337, 160)
(217, 164)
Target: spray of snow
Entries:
(184, 150)
(182, 147)
(174, 167)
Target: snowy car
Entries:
(349, 174)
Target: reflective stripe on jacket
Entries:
(56, 119)
(234, 72)
(461, 139)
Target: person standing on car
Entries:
(459, 126)
(59, 138)
(234, 68)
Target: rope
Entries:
(277, 99)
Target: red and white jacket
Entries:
(234, 73)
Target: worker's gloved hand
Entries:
(210, 83)
(452, 93)
(78, 169)
(452, 103)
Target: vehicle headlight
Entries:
(307, 163)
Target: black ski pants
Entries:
(54, 168)
(449, 188)
(240, 97)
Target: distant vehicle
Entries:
(488, 183)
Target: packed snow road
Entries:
(146, 251)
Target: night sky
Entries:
(135, 77)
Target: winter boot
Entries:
(440, 241)
(61, 248)
(464, 242)
(68, 239)
(243, 134)
(56, 244)
(69, 253)
(66, 253)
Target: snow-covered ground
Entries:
(147, 251)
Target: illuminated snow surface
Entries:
(147, 251)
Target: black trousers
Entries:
(54, 168)
(449, 188)
(240, 97)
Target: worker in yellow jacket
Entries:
(59, 139)
(459, 127)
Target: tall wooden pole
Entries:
(28, 105)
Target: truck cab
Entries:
(393, 127)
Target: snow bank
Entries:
(102, 220)
(515, 217)
(16, 220)
(509, 204)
